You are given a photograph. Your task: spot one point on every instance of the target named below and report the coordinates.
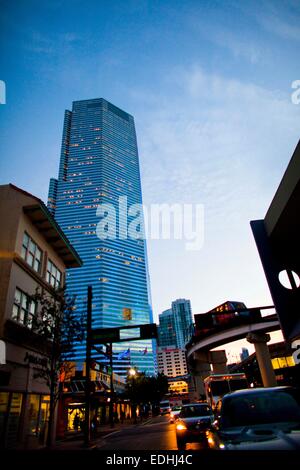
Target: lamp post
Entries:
(87, 419)
(132, 373)
(111, 402)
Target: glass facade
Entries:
(176, 325)
(99, 164)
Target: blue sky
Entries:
(209, 85)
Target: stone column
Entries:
(263, 358)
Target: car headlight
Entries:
(181, 427)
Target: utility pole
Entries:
(111, 403)
(87, 421)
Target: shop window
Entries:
(13, 421)
(33, 413)
(43, 417)
(4, 396)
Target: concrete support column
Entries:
(200, 367)
(263, 358)
(218, 360)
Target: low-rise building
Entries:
(34, 254)
(287, 371)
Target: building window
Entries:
(24, 308)
(31, 253)
(53, 276)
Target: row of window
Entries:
(33, 256)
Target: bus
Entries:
(217, 385)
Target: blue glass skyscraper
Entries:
(99, 164)
(176, 325)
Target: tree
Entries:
(143, 389)
(59, 328)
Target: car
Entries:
(164, 407)
(174, 413)
(258, 419)
(193, 421)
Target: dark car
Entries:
(258, 419)
(192, 423)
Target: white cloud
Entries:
(225, 144)
(283, 28)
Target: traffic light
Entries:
(108, 350)
(93, 365)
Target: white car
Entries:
(174, 413)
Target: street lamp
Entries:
(132, 373)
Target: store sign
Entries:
(32, 359)
(2, 352)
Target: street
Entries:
(157, 434)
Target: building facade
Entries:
(167, 330)
(172, 362)
(244, 354)
(176, 325)
(287, 371)
(96, 200)
(34, 254)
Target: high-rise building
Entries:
(176, 325)
(172, 362)
(99, 179)
(167, 330)
(244, 354)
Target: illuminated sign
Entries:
(127, 314)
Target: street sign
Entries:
(105, 335)
(123, 333)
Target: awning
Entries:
(76, 386)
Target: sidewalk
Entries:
(76, 441)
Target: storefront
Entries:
(24, 399)
(71, 411)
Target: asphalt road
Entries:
(158, 434)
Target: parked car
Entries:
(257, 418)
(192, 423)
(174, 413)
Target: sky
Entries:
(209, 84)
